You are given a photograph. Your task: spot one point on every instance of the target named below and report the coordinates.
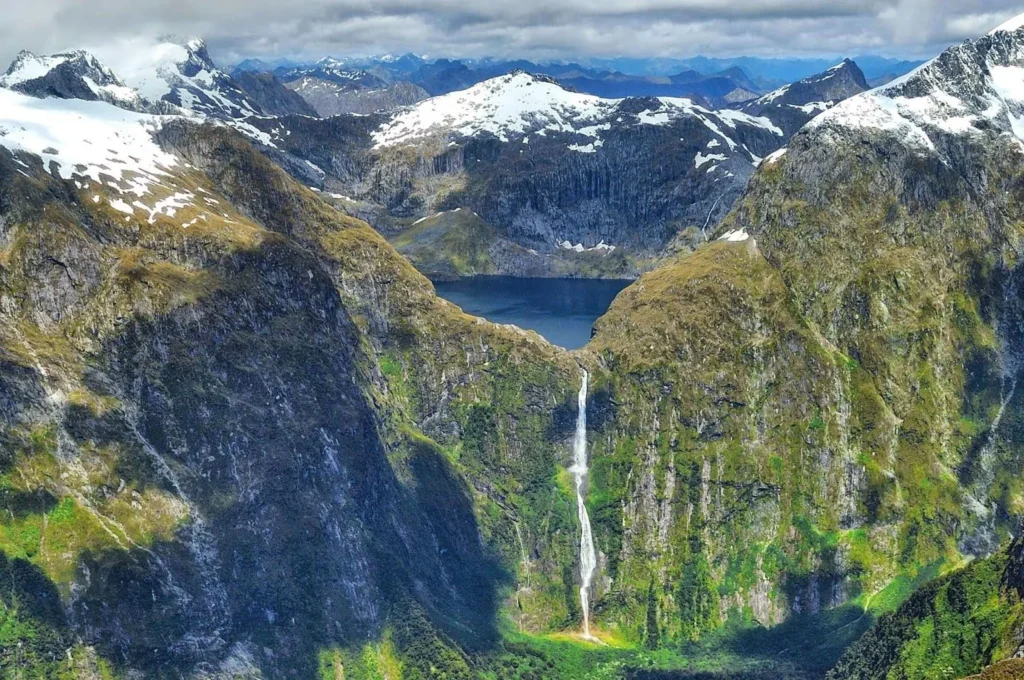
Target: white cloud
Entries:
(523, 28)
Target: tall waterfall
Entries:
(588, 557)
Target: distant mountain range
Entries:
(753, 73)
(369, 82)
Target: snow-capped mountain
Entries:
(84, 139)
(543, 165)
(792, 106)
(108, 153)
(972, 90)
(169, 75)
(69, 75)
(180, 72)
(520, 105)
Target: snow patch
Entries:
(700, 159)
(429, 217)
(734, 236)
(118, 204)
(168, 206)
(580, 248)
(774, 156)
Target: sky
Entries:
(530, 29)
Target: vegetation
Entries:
(268, 431)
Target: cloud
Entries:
(522, 28)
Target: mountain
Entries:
(71, 75)
(331, 98)
(271, 95)
(216, 502)
(541, 164)
(919, 175)
(179, 71)
(782, 71)
(332, 90)
(262, 66)
(163, 76)
(332, 70)
(713, 88)
(623, 77)
(792, 106)
(858, 315)
(333, 87)
(444, 76)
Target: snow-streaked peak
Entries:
(812, 89)
(519, 103)
(28, 66)
(501, 106)
(1011, 25)
(970, 89)
(76, 74)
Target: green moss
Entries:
(390, 366)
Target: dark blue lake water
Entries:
(562, 310)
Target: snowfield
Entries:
(85, 139)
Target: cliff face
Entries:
(273, 98)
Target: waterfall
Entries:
(588, 557)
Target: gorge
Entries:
(242, 437)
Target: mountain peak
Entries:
(818, 92)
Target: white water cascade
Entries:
(588, 557)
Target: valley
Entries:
(512, 381)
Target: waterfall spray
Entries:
(588, 557)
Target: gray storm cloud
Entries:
(523, 28)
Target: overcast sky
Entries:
(534, 29)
